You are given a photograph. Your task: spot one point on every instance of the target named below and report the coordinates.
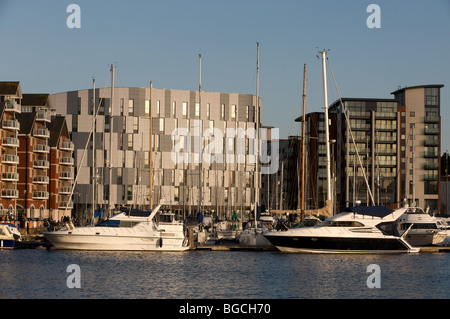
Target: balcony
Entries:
(11, 125)
(65, 190)
(13, 106)
(43, 115)
(66, 161)
(432, 119)
(41, 164)
(10, 141)
(66, 146)
(431, 142)
(39, 195)
(68, 175)
(10, 159)
(10, 176)
(42, 132)
(431, 130)
(40, 179)
(41, 148)
(63, 205)
(10, 193)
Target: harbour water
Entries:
(43, 274)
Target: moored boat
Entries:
(362, 229)
(9, 235)
(129, 230)
(425, 229)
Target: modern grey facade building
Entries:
(226, 186)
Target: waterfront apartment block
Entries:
(387, 153)
(118, 172)
(28, 131)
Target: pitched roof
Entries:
(58, 127)
(9, 88)
(26, 121)
(35, 99)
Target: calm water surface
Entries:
(230, 275)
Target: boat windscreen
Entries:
(375, 211)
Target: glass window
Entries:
(147, 107)
(233, 111)
(174, 108)
(197, 110)
(130, 107)
(121, 107)
(185, 107)
(135, 124)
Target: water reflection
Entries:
(202, 274)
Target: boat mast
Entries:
(151, 149)
(302, 207)
(93, 152)
(257, 138)
(327, 133)
(110, 139)
(200, 133)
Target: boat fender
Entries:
(160, 242)
(71, 225)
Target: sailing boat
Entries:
(355, 230)
(252, 235)
(129, 230)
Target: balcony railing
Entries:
(40, 195)
(41, 148)
(63, 205)
(66, 161)
(41, 164)
(10, 141)
(65, 189)
(11, 125)
(43, 115)
(40, 179)
(10, 159)
(10, 176)
(42, 132)
(66, 146)
(10, 193)
(66, 175)
(13, 106)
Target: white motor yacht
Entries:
(361, 229)
(9, 235)
(130, 230)
(425, 229)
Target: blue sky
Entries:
(160, 41)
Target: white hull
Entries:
(115, 242)
(426, 237)
(122, 232)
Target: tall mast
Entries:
(200, 133)
(302, 207)
(110, 139)
(93, 151)
(257, 138)
(327, 133)
(151, 148)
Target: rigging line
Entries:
(351, 135)
(87, 143)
